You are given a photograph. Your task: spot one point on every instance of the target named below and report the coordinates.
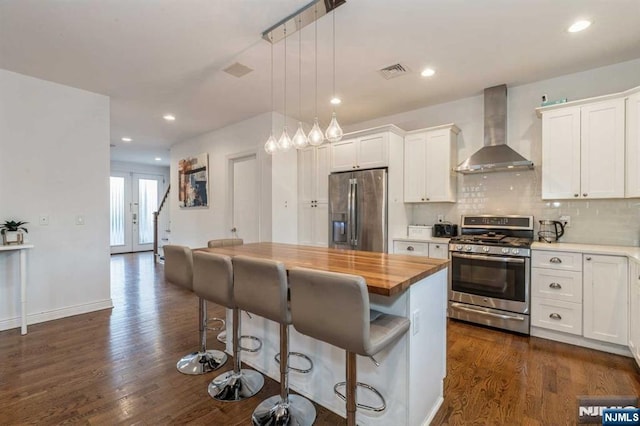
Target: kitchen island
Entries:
(411, 371)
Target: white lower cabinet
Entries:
(313, 224)
(581, 294)
(605, 291)
(634, 310)
(421, 248)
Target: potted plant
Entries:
(11, 231)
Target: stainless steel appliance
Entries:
(358, 210)
(489, 281)
(550, 230)
(445, 230)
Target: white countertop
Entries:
(10, 247)
(629, 251)
(424, 240)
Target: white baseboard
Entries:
(580, 341)
(433, 412)
(54, 314)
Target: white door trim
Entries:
(231, 159)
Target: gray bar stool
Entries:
(178, 270)
(260, 286)
(213, 279)
(334, 308)
(222, 336)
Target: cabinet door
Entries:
(412, 248)
(438, 167)
(634, 311)
(306, 173)
(605, 291)
(633, 146)
(561, 153)
(373, 151)
(438, 250)
(305, 223)
(343, 155)
(321, 174)
(414, 168)
(321, 225)
(602, 150)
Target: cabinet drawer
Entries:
(556, 315)
(556, 284)
(411, 247)
(439, 250)
(556, 260)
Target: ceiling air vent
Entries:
(393, 71)
(238, 70)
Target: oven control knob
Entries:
(505, 250)
(468, 248)
(515, 251)
(486, 249)
(459, 247)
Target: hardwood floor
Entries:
(118, 367)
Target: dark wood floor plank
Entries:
(117, 366)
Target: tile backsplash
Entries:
(611, 221)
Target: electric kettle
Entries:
(550, 230)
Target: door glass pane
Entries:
(117, 210)
(147, 204)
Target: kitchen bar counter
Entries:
(411, 371)
(385, 274)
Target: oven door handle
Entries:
(489, 258)
(483, 312)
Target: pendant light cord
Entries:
(285, 75)
(316, 56)
(272, 100)
(299, 68)
(333, 13)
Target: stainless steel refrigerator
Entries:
(358, 210)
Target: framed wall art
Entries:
(193, 175)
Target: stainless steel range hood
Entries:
(496, 155)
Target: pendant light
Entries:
(271, 146)
(284, 143)
(300, 138)
(334, 131)
(316, 137)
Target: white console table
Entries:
(23, 280)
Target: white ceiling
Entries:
(157, 56)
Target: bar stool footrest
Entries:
(300, 355)
(215, 319)
(253, 338)
(363, 406)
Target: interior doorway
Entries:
(245, 197)
(133, 199)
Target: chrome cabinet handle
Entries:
(555, 316)
(438, 246)
(584, 194)
(588, 258)
(555, 285)
(410, 248)
(555, 260)
(576, 195)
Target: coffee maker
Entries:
(550, 230)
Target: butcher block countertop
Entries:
(386, 274)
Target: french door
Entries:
(134, 198)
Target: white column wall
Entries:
(54, 161)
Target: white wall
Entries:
(599, 221)
(54, 161)
(278, 184)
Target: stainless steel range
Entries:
(490, 275)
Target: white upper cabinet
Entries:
(633, 146)
(313, 174)
(429, 158)
(365, 152)
(583, 151)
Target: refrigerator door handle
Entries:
(350, 211)
(354, 214)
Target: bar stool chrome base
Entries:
(230, 386)
(299, 411)
(201, 362)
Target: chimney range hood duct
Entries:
(496, 155)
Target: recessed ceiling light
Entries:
(169, 117)
(579, 26)
(126, 139)
(336, 101)
(158, 159)
(427, 72)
